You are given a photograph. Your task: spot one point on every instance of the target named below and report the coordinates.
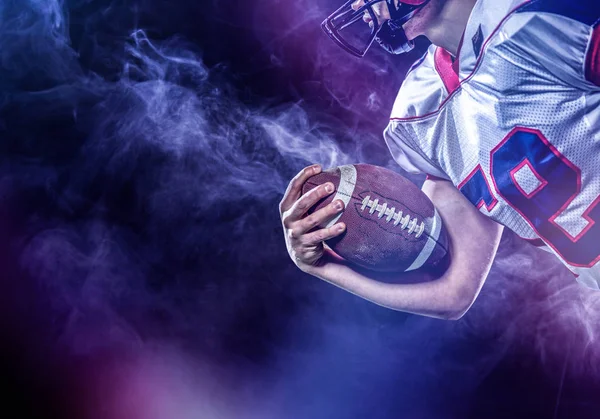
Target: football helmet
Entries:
(389, 34)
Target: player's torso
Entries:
(518, 142)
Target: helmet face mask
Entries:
(344, 19)
(356, 40)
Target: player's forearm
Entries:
(474, 240)
(438, 298)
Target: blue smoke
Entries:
(142, 188)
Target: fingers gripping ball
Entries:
(391, 225)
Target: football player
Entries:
(503, 116)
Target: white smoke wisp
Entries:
(204, 118)
(165, 159)
(570, 326)
(531, 302)
(364, 87)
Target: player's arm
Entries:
(473, 243)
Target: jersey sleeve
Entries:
(421, 92)
(407, 156)
(562, 36)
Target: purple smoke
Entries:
(140, 188)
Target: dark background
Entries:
(144, 147)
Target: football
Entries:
(391, 226)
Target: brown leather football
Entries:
(391, 226)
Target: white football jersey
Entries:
(514, 122)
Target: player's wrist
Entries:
(320, 266)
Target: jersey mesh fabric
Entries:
(527, 180)
(504, 88)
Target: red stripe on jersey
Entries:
(431, 177)
(592, 62)
(535, 242)
(477, 63)
(443, 65)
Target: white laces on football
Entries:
(391, 214)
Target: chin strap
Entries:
(393, 39)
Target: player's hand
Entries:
(303, 235)
(380, 9)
